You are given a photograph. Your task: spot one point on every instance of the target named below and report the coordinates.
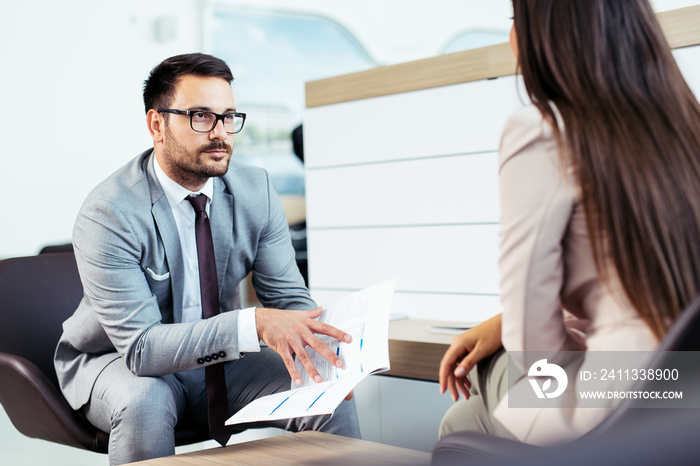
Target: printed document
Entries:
(365, 316)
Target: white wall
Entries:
(70, 86)
(406, 186)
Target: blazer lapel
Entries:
(221, 220)
(167, 228)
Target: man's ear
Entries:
(156, 125)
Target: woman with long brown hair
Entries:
(600, 210)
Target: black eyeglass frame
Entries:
(217, 116)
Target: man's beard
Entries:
(190, 166)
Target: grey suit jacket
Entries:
(130, 262)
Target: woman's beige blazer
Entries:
(552, 297)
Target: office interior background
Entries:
(71, 81)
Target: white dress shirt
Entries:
(184, 218)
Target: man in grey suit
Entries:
(132, 356)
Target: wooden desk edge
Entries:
(414, 351)
(299, 448)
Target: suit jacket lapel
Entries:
(221, 220)
(167, 228)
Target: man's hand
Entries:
(465, 351)
(290, 332)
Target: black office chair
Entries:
(37, 294)
(54, 248)
(621, 427)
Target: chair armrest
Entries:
(38, 410)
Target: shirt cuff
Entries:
(248, 341)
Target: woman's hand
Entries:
(465, 351)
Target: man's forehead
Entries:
(203, 90)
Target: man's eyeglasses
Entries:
(203, 122)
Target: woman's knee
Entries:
(465, 415)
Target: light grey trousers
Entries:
(140, 413)
(489, 379)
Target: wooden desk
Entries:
(414, 351)
(304, 448)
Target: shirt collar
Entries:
(176, 193)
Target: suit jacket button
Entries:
(207, 358)
(215, 356)
(200, 360)
(222, 354)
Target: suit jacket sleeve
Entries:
(114, 266)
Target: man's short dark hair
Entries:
(159, 88)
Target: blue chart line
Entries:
(271, 412)
(319, 396)
(362, 369)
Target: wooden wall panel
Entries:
(443, 70)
